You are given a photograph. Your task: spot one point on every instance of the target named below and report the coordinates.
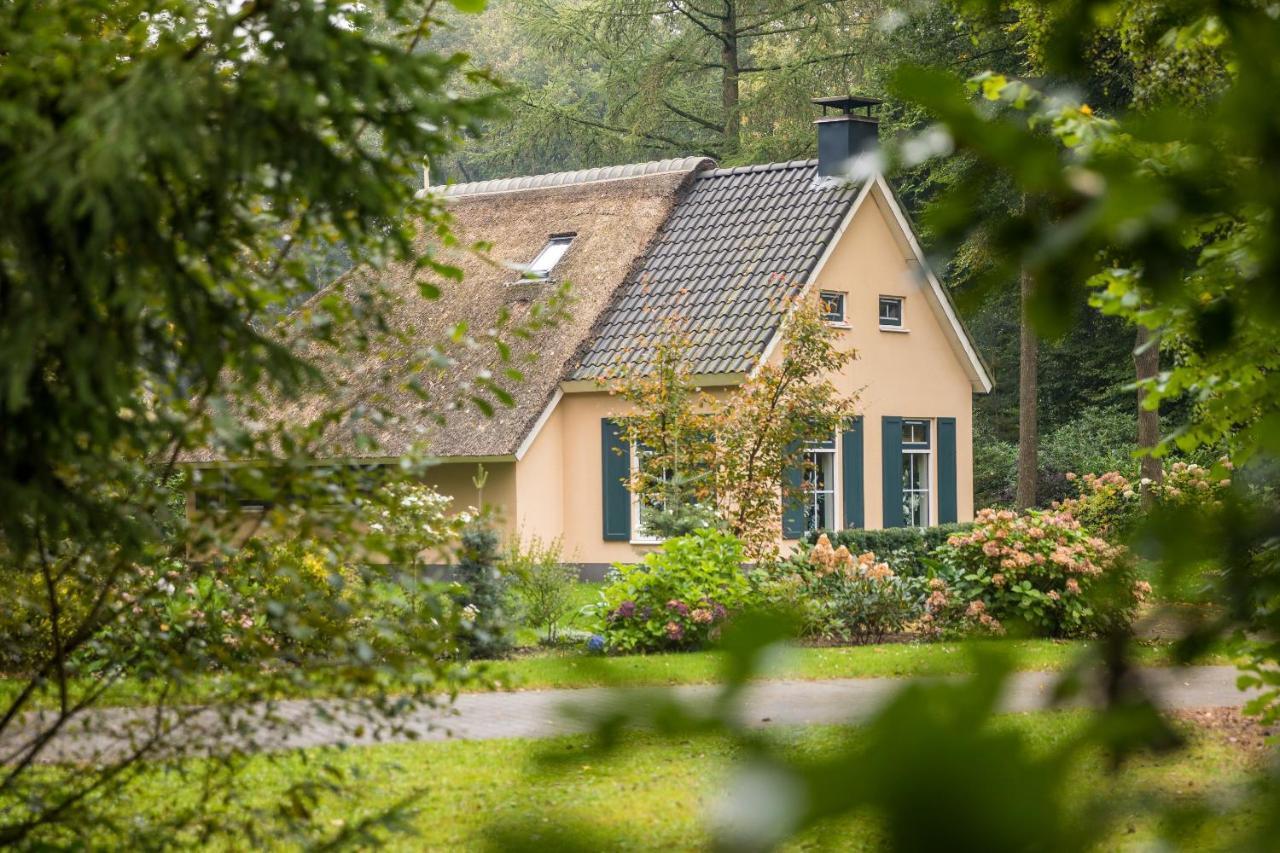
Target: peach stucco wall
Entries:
(555, 489)
(912, 374)
(540, 485)
(457, 480)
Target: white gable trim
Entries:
(938, 299)
(538, 425)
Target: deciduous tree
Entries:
(733, 449)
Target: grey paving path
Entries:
(293, 724)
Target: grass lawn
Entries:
(653, 794)
(574, 669)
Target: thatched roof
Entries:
(614, 213)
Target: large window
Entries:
(915, 473)
(820, 485)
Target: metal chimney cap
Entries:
(848, 103)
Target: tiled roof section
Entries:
(737, 244)
(582, 176)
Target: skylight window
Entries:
(550, 255)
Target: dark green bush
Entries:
(485, 621)
(907, 550)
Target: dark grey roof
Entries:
(737, 244)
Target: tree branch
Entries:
(599, 125)
(715, 34)
(784, 66)
(709, 125)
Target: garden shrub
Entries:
(1043, 571)
(678, 597)
(1110, 504)
(1095, 440)
(482, 593)
(217, 614)
(309, 598)
(542, 583)
(907, 550)
(836, 595)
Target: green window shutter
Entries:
(946, 470)
(891, 469)
(616, 466)
(792, 510)
(851, 473)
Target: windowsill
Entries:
(897, 329)
(838, 324)
(646, 541)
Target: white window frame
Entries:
(813, 450)
(901, 325)
(843, 319)
(918, 453)
(549, 256)
(638, 536)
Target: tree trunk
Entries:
(1146, 363)
(1028, 431)
(729, 81)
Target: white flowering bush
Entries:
(412, 518)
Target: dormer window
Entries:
(550, 255)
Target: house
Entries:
(723, 246)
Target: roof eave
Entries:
(699, 380)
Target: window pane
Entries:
(915, 432)
(915, 488)
(550, 256)
(833, 307)
(819, 490)
(890, 311)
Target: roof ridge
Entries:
(721, 172)
(576, 177)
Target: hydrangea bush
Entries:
(1042, 570)
(839, 596)
(678, 597)
(1110, 504)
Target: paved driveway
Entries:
(109, 733)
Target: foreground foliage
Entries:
(166, 168)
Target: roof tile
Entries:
(739, 241)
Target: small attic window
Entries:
(550, 255)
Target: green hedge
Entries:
(905, 549)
